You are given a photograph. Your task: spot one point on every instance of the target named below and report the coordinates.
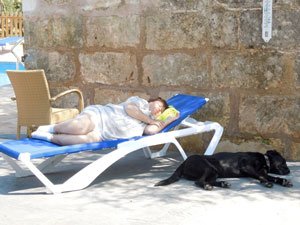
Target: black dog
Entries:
(205, 170)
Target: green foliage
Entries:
(11, 5)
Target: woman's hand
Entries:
(172, 118)
(177, 116)
(158, 123)
(156, 127)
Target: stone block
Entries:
(288, 3)
(109, 68)
(63, 31)
(66, 101)
(295, 151)
(38, 33)
(175, 70)
(58, 2)
(113, 31)
(256, 144)
(251, 31)
(253, 3)
(201, 6)
(58, 67)
(176, 31)
(106, 96)
(224, 29)
(270, 115)
(246, 146)
(216, 109)
(36, 59)
(297, 71)
(95, 5)
(241, 3)
(136, 2)
(67, 31)
(193, 144)
(285, 29)
(258, 70)
(278, 145)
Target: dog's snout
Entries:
(283, 171)
(286, 171)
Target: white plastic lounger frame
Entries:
(11, 43)
(88, 174)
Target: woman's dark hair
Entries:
(165, 104)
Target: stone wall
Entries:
(111, 49)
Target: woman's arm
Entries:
(153, 129)
(134, 111)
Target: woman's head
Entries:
(157, 106)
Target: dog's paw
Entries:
(161, 183)
(268, 184)
(225, 184)
(287, 183)
(208, 187)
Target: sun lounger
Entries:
(26, 150)
(9, 48)
(7, 43)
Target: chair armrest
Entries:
(80, 97)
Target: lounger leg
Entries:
(45, 166)
(50, 163)
(206, 127)
(180, 149)
(33, 170)
(215, 139)
(49, 185)
(163, 151)
(147, 152)
(88, 174)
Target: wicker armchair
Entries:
(34, 101)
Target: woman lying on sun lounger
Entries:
(95, 123)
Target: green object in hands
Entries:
(170, 111)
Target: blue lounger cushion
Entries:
(186, 104)
(10, 40)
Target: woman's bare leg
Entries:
(79, 125)
(67, 139)
(73, 131)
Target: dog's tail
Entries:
(175, 177)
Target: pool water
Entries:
(7, 66)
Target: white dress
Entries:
(112, 122)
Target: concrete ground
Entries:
(124, 193)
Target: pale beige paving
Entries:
(8, 112)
